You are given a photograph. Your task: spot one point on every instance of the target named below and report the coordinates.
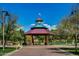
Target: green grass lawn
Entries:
(7, 50)
(71, 50)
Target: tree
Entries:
(70, 24)
(10, 27)
(11, 34)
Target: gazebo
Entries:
(39, 29)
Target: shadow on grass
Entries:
(56, 50)
(71, 50)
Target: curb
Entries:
(67, 53)
(8, 54)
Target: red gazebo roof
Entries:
(38, 31)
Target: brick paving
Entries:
(39, 51)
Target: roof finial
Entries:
(39, 14)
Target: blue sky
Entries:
(27, 13)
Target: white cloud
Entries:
(48, 26)
(32, 24)
(26, 28)
(54, 27)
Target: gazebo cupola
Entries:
(39, 24)
(39, 20)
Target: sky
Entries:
(51, 13)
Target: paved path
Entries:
(39, 51)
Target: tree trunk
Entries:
(76, 43)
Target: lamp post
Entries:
(4, 13)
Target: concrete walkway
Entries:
(40, 51)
